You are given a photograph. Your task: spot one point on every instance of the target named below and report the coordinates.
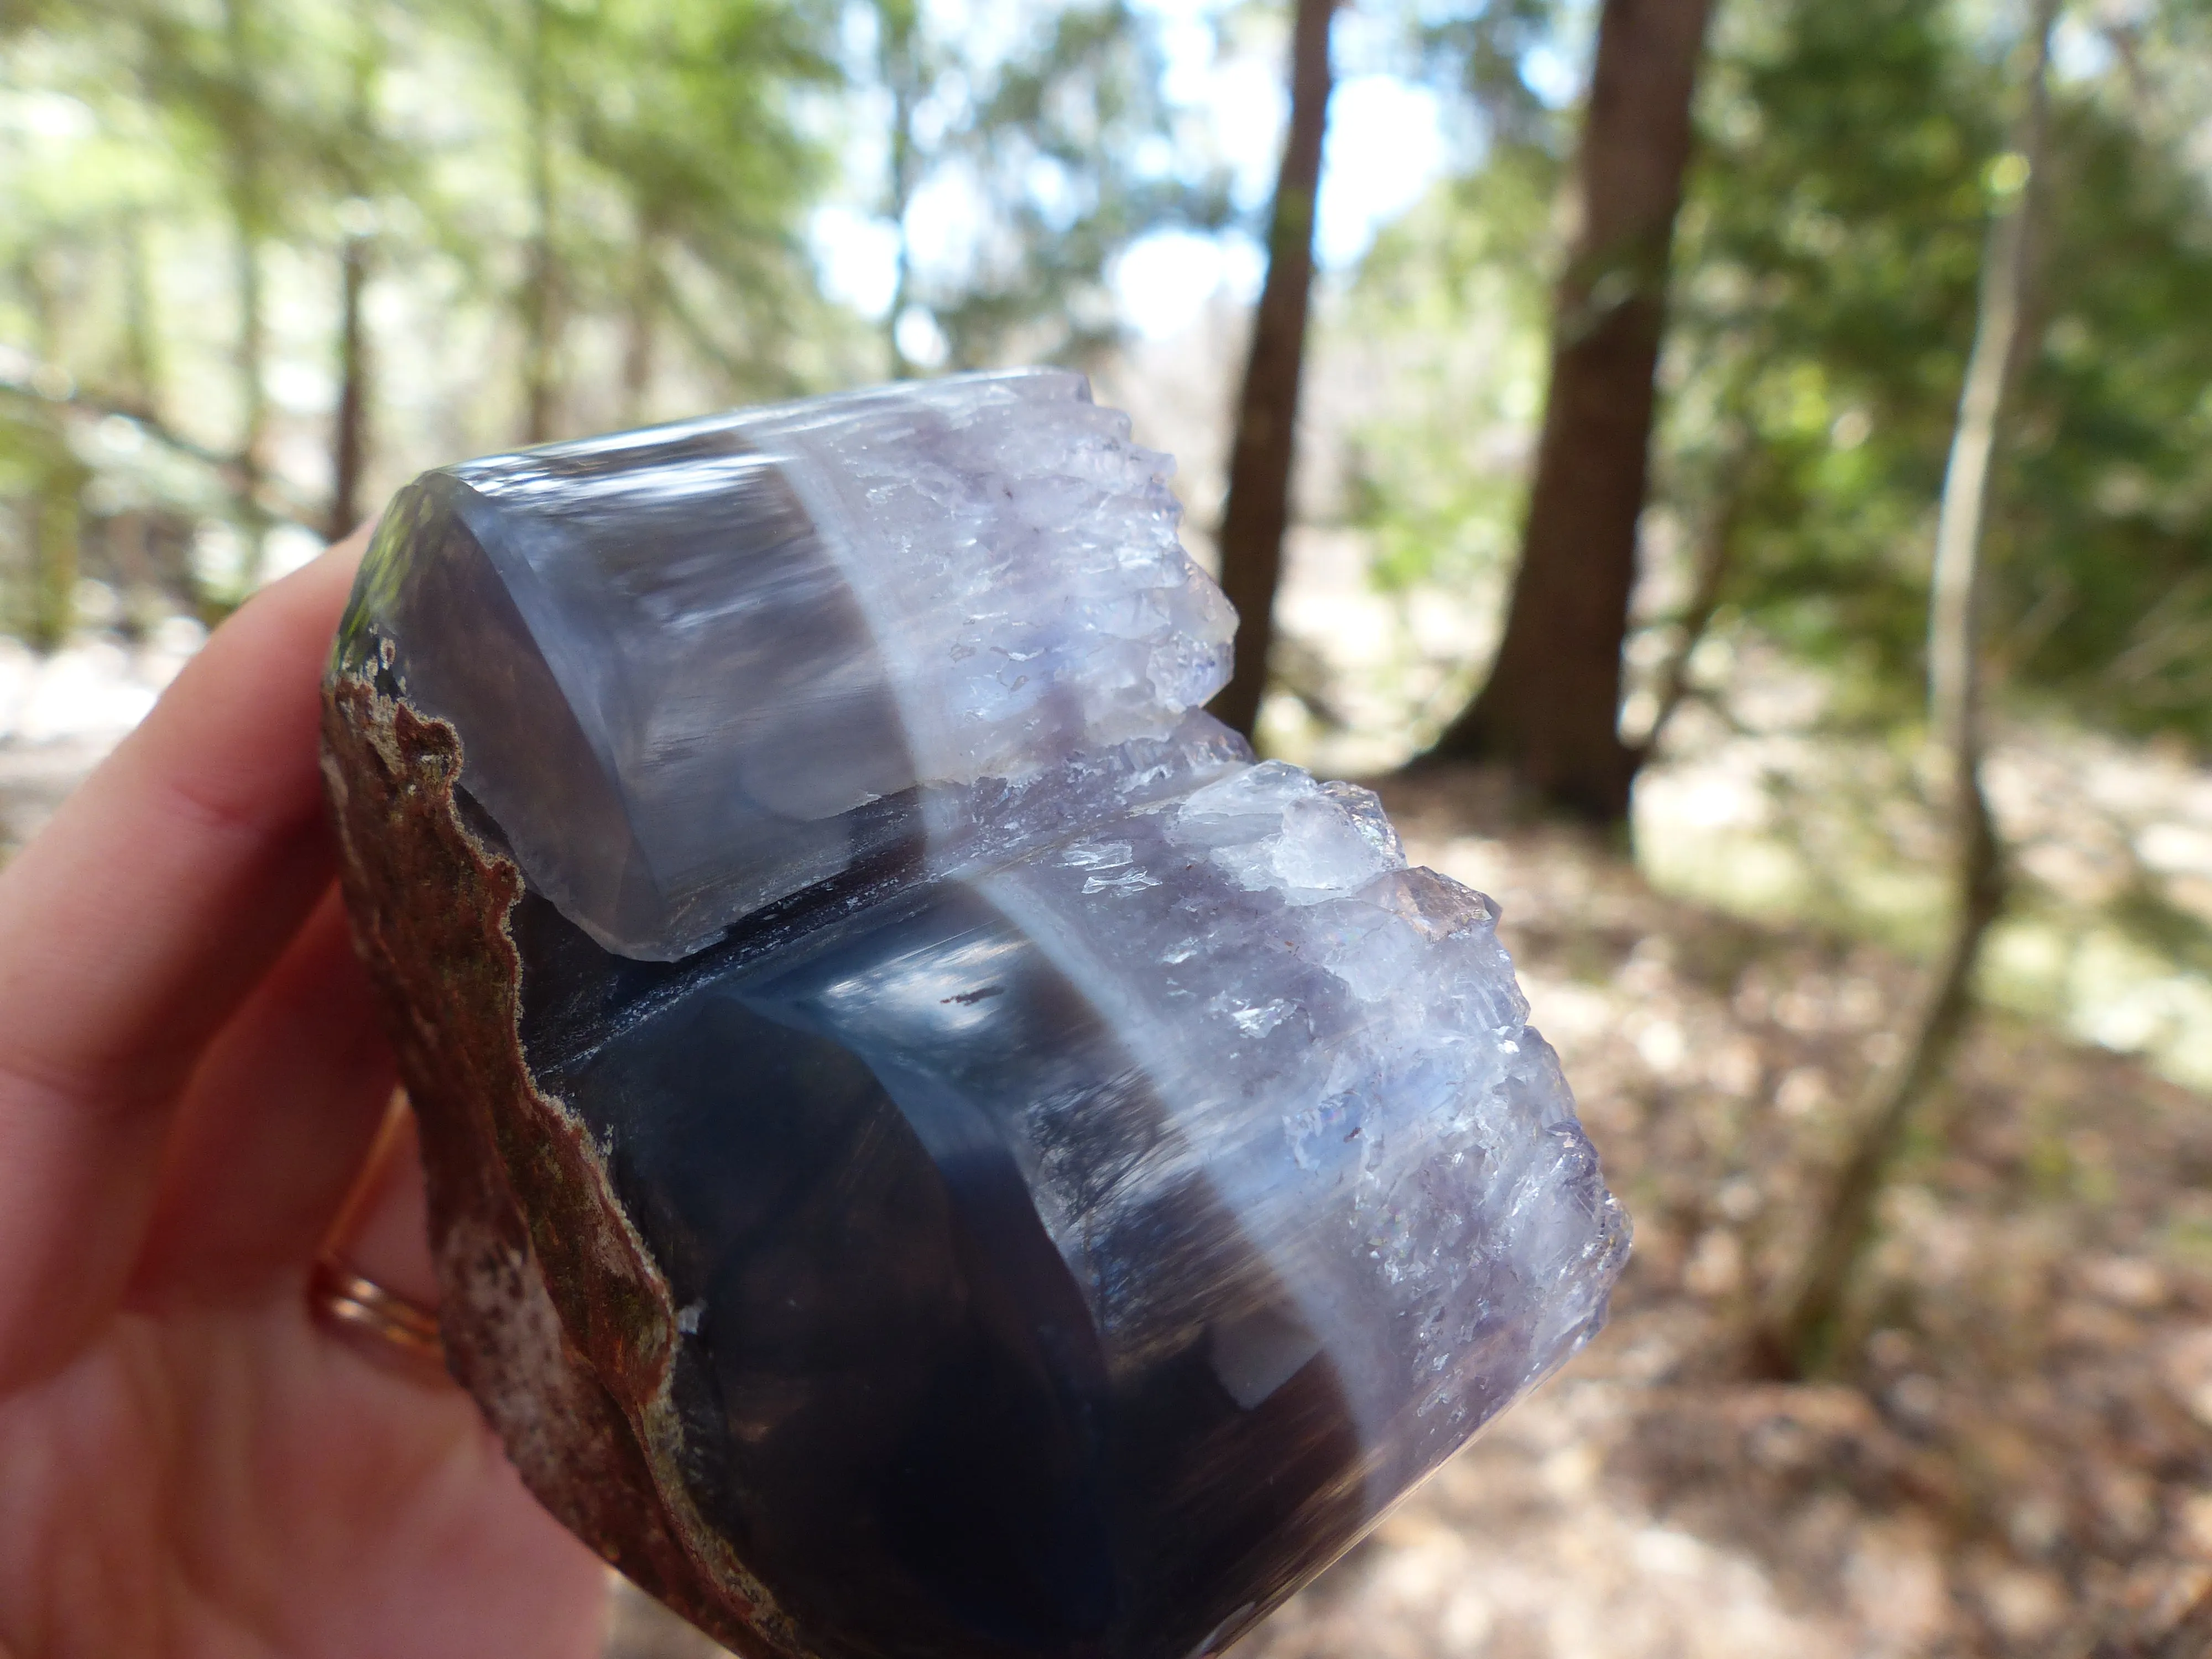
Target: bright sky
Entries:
(1386, 145)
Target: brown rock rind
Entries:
(554, 1315)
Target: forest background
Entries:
(1922, 990)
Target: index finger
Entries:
(132, 926)
(166, 882)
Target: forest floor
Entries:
(2013, 1455)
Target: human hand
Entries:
(190, 1080)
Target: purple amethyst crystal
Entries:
(934, 1151)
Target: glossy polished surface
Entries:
(708, 665)
(1094, 1176)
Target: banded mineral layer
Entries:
(934, 1151)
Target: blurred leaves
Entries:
(614, 223)
(1828, 266)
(1822, 310)
(1458, 290)
(1048, 137)
(606, 207)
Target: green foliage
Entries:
(1825, 294)
(1821, 309)
(567, 216)
(2107, 598)
(41, 479)
(680, 169)
(1480, 50)
(1449, 308)
(613, 197)
(1453, 303)
(1823, 303)
(1453, 306)
(178, 178)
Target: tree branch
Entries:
(1801, 1334)
(273, 504)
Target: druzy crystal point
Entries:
(932, 1151)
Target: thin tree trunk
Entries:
(1802, 1334)
(249, 221)
(541, 279)
(53, 518)
(252, 352)
(1258, 510)
(1716, 556)
(898, 67)
(1715, 552)
(638, 327)
(56, 522)
(349, 434)
(45, 308)
(142, 348)
(350, 427)
(1551, 709)
(902, 270)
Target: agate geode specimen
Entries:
(932, 1151)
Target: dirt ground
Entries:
(2013, 1453)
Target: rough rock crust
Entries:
(554, 1316)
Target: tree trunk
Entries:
(141, 348)
(898, 66)
(55, 525)
(1739, 465)
(356, 252)
(638, 327)
(51, 516)
(1801, 1335)
(1258, 510)
(249, 221)
(1715, 554)
(350, 427)
(253, 351)
(1551, 709)
(541, 279)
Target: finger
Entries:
(166, 884)
(129, 931)
(274, 1126)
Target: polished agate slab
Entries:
(934, 1151)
